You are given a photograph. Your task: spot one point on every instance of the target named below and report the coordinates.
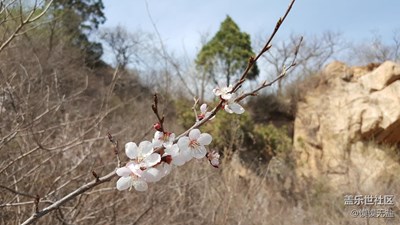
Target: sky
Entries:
(182, 22)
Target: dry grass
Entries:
(51, 146)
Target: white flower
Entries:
(143, 156)
(204, 113)
(129, 178)
(178, 157)
(223, 92)
(156, 173)
(165, 139)
(142, 159)
(233, 107)
(194, 143)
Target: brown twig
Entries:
(281, 75)
(68, 197)
(16, 204)
(154, 107)
(95, 176)
(266, 47)
(116, 148)
(36, 202)
(203, 121)
(17, 192)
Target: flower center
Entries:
(165, 136)
(194, 144)
(139, 159)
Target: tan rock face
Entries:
(337, 122)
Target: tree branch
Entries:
(23, 23)
(68, 197)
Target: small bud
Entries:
(157, 126)
(251, 59)
(167, 159)
(36, 202)
(213, 158)
(95, 175)
(110, 137)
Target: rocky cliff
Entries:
(347, 129)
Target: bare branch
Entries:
(266, 47)
(68, 197)
(17, 192)
(160, 125)
(25, 22)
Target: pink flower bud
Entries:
(213, 158)
(157, 126)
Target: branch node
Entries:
(37, 200)
(160, 125)
(96, 176)
(252, 60)
(110, 137)
(266, 48)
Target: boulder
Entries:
(345, 125)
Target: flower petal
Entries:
(227, 109)
(172, 151)
(203, 108)
(158, 135)
(140, 185)
(199, 152)
(226, 96)
(166, 169)
(152, 160)
(167, 144)
(146, 148)
(152, 175)
(157, 143)
(135, 169)
(215, 162)
(182, 158)
(131, 150)
(204, 139)
(228, 89)
(124, 183)
(217, 91)
(187, 154)
(123, 171)
(236, 108)
(178, 160)
(183, 143)
(194, 134)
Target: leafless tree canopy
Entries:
(376, 50)
(127, 48)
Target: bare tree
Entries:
(16, 12)
(376, 50)
(126, 47)
(315, 53)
